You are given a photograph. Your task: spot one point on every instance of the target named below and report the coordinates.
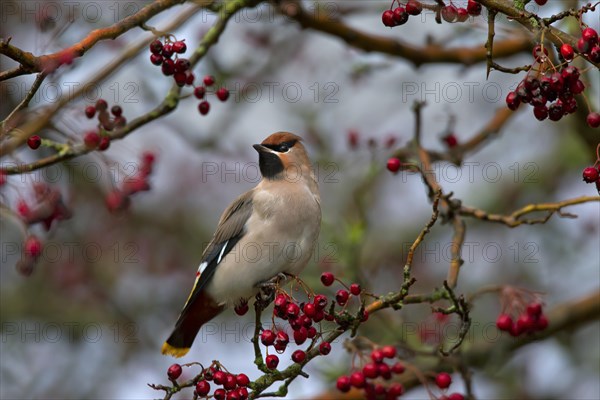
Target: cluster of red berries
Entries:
(119, 199)
(100, 140)
(400, 14)
(354, 141)
(532, 320)
(591, 175)
(200, 94)
(443, 380)
(587, 44)
(451, 13)
(48, 207)
(233, 387)
(32, 250)
(178, 68)
(366, 379)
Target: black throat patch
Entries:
(270, 165)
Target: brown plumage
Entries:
(270, 229)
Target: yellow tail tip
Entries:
(167, 349)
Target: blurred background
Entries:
(90, 320)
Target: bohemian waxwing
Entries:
(269, 230)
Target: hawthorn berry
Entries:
(209, 80)
(189, 80)
(230, 382)
(272, 361)
(540, 112)
(595, 54)
(589, 35)
(182, 65)
(267, 337)
(357, 379)
(413, 7)
(281, 300)
(199, 92)
(156, 59)
(300, 335)
(388, 351)
(393, 164)
(219, 394)
(327, 278)
(104, 143)
(370, 370)
(320, 302)
(462, 14)
(33, 246)
(180, 78)
(450, 140)
(458, 396)
(513, 101)
(443, 380)
(91, 140)
(542, 322)
(167, 50)
(583, 45)
(2, 178)
(388, 18)
(396, 389)
(156, 46)
(34, 142)
(474, 8)
(242, 380)
(325, 348)
(219, 377)
(504, 322)
(377, 356)
(342, 297)
(116, 201)
(298, 356)
(384, 371)
(101, 105)
(593, 119)
(309, 310)
(174, 371)
(312, 331)
(525, 323)
(398, 368)
(202, 388)
(292, 310)
(168, 67)
(355, 289)
(539, 53)
(204, 107)
(400, 15)
(449, 13)
(590, 175)
(343, 383)
(179, 47)
(222, 94)
(90, 111)
(534, 309)
(116, 111)
(567, 52)
(242, 308)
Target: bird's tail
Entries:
(200, 310)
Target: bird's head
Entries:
(282, 154)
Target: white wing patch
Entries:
(202, 267)
(222, 251)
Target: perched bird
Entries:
(269, 230)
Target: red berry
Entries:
(357, 379)
(300, 335)
(242, 308)
(199, 92)
(389, 351)
(156, 59)
(182, 65)
(174, 371)
(450, 140)
(388, 18)
(33, 246)
(413, 7)
(534, 309)
(458, 396)
(267, 337)
(189, 80)
(90, 111)
(312, 331)
(377, 356)
(230, 382)
(180, 78)
(593, 119)
(327, 278)
(298, 356)
(222, 94)
(540, 112)
(474, 8)
(595, 54)
(243, 393)
(292, 310)
(219, 377)
(449, 13)
(443, 380)
(325, 348)
(512, 101)
(371, 371)
(202, 388)
(542, 322)
(204, 107)
(396, 389)
(342, 297)
(504, 322)
(34, 142)
(179, 47)
(583, 45)
(589, 35)
(168, 67)
(538, 54)
(116, 111)
(281, 300)
(393, 164)
(400, 15)
(525, 323)
(167, 50)
(104, 143)
(590, 175)
(209, 80)
(320, 302)
(282, 338)
(272, 361)
(355, 289)
(91, 140)
(309, 310)
(343, 384)
(353, 137)
(541, 2)
(570, 73)
(242, 380)
(220, 394)
(101, 105)
(116, 201)
(398, 368)
(566, 50)
(2, 178)
(156, 46)
(462, 14)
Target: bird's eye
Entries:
(283, 148)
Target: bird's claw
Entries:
(268, 288)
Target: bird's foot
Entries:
(269, 287)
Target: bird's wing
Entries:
(229, 231)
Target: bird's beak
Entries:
(261, 149)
